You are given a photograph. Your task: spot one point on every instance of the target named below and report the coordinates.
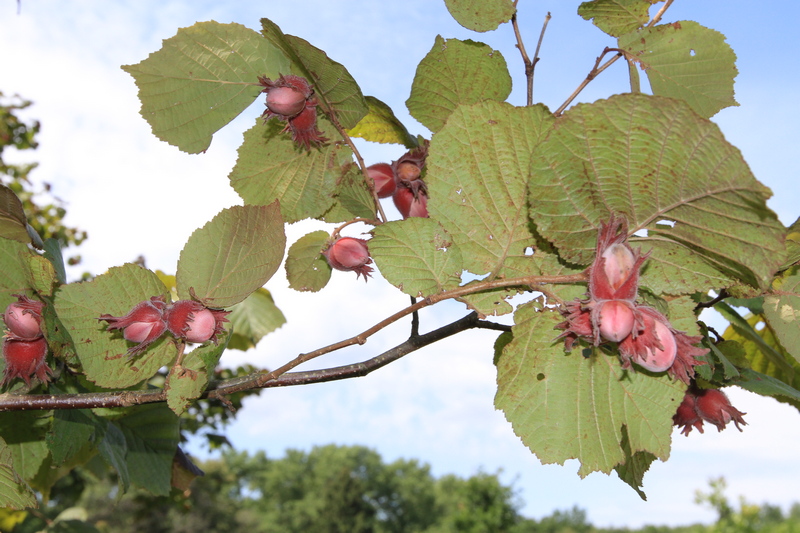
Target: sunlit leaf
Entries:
(306, 268)
(480, 15)
(201, 79)
(652, 159)
(456, 72)
(234, 254)
(381, 126)
(688, 61)
(252, 319)
(782, 311)
(616, 17)
(417, 255)
(102, 353)
(567, 406)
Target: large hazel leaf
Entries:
(13, 223)
(102, 353)
(477, 168)
(201, 79)
(456, 72)
(306, 268)
(416, 255)
(380, 125)
(336, 90)
(234, 254)
(688, 61)
(270, 167)
(566, 406)
(481, 15)
(616, 17)
(665, 169)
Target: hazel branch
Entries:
(221, 389)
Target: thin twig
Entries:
(414, 320)
(536, 58)
(598, 69)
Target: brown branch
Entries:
(220, 389)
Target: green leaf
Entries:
(767, 385)
(13, 264)
(102, 353)
(792, 245)
(688, 61)
(13, 223)
(566, 406)
(270, 167)
(782, 311)
(381, 126)
(201, 79)
(334, 87)
(24, 435)
(185, 383)
(234, 254)
(652, 159)
(354, 194)
(151, 433)
(71, 430)
(42, 276)
(417, 255)
(52, 251)
(252, 319)
(480, 15)
(616, 17)
(306, 268)
(14, 492)
(633, 469)
(456, 72)
(113, 448)
(476, 174)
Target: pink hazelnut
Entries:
(350, 255)
(24, 318)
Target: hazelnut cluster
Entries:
(706, 405)
(291, 99)
(188, 320)
(402, 180)
(644, 336)
(24, 345)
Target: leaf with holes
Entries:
(616, 17)
(688, 61)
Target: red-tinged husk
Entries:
(410, 204)
(383, 179)
(194, 322)
(25, 359)
(144, 323)
(350, 255)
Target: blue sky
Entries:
(136, 195)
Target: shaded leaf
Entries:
(42, 276)
(13, 264)
(635, 465)
(566, 406)
(102, 354)
(354, 194)
(234, 254)
(416, 255)
(616, 17)
(270, 167)
(14, 492)
(201, 79)
(185, 383)
(151, 435)
(252, 319)
(24, 435)
(652, 159)
(456, 72)
(70, 431)
(381, 126)
(113, 448)
(792, 245)
(688, 61)
(334, 87)
(306, 268)
(480, 15)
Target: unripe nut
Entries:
(659, 359)
(382, 176)
(286, 101)
(619, 262)
(24, 318)
(25, 359)
(408, 205)
(616, 320)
